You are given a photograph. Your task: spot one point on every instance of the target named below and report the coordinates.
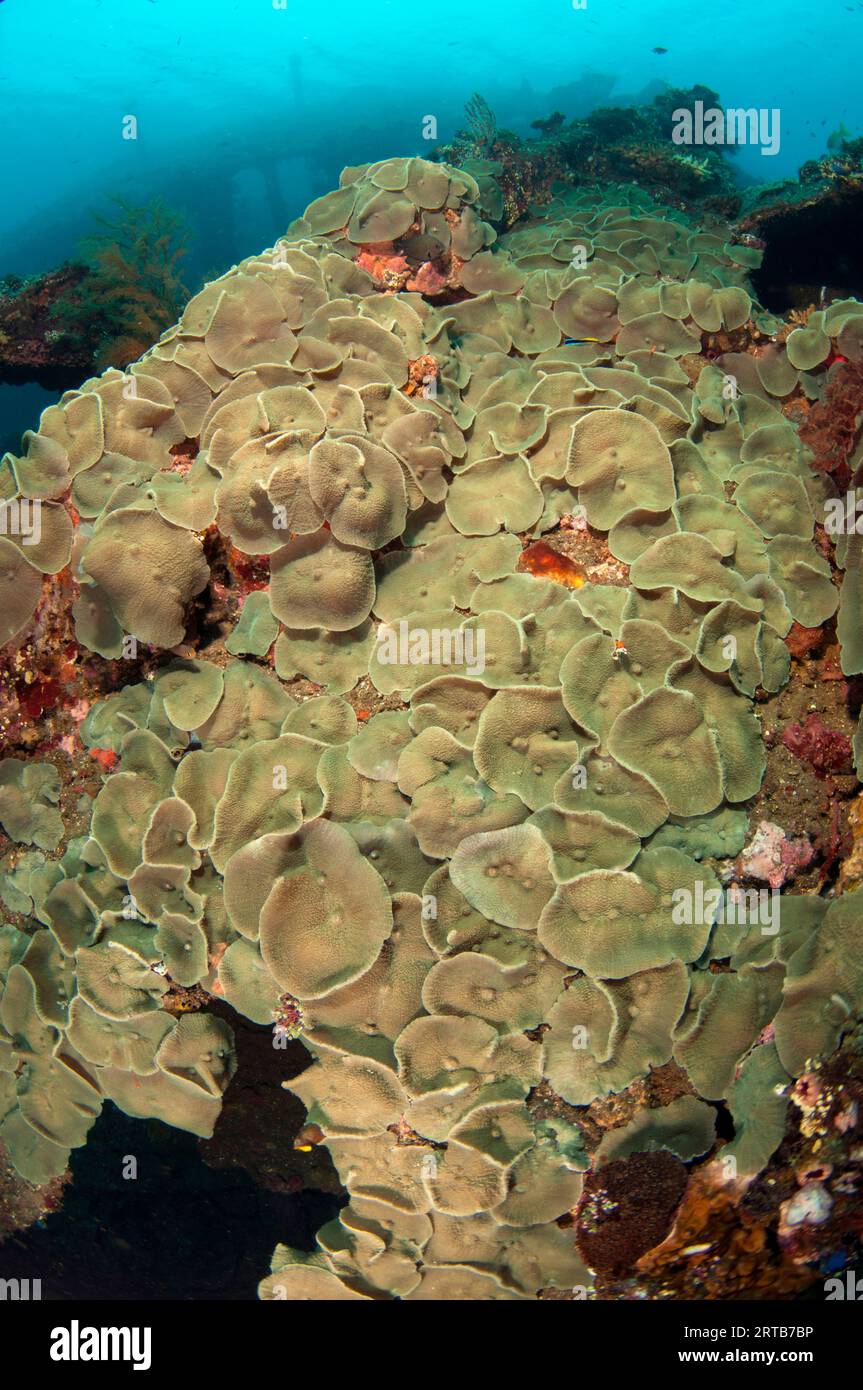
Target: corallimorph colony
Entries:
(478, 891)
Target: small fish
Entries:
(307, 1138)
(578, 342)
(660, 50)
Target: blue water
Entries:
(247, 109)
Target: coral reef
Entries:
(31, 348)
(101, 311)
(613, 144)
(438, 577)
(132, 290)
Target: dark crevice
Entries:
(179, 1230)
(813, 253)
(200, 1218)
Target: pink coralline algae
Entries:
(826, 750)
(386, 266)
(847, 1119)
(428, 279)
(772, 857)
(810, 1206)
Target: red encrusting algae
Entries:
(542, 561)
(826, 750)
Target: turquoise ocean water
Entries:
(247, 109)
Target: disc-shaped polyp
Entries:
(666, 738)
(618, 462)
(323, 924)
(316, 581)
